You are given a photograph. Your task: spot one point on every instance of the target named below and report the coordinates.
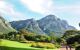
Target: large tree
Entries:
(70, 33)
(71, 37)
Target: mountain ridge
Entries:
(29, 24)
(48, 24)
(54, 24)
(5, 26)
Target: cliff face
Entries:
(30, 25)
(51, 23)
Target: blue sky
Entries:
(68, 10)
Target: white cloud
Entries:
(72, 9)
(9, 9)
(46, 7)
(39, 6)
(71, 13)
(49, 7)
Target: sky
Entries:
(68, 10)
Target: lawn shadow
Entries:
(14, 48)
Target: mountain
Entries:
(5, 27)
(30, 25)
(51, 23)
(45, 25)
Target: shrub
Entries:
(57, 45)
(42, 38)
(33, 45)
(43, 45)
(1, 35)
(78, 48)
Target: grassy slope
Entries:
(12, 45)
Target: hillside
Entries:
(5, 27)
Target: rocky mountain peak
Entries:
(51, 17)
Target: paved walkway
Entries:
(64, 48)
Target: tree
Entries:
(42, 38)
(53, 37)
(69, 37)
(26, 35)
(1, 35)
(70, 33)
(78, 48)
(72, 36)
(58, 40)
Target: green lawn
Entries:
(13, 45)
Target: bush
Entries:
(78, 48)
(33, 44)
(43, 45)
(57, 45)
(42, 38)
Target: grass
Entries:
(13, 45)
(15, 48)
